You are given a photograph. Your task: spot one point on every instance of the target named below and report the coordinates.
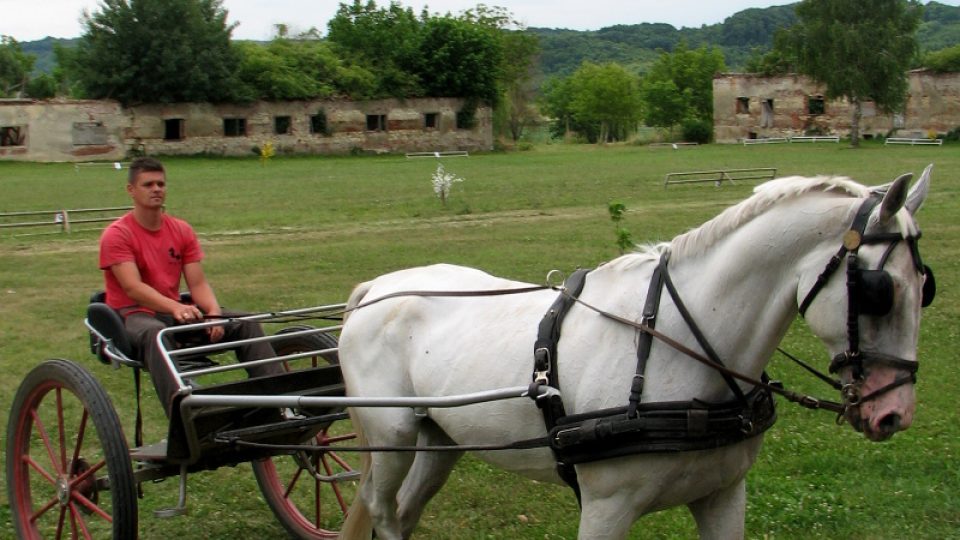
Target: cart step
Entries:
(259, 433)
(152, 453)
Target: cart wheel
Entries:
(65, 480)
(310, 492)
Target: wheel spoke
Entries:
(340, 461)
(43, 509)
(78, 518)
(87, 473)
(42, 431)
(60, 431)
(293, 482)
(335, 486)
(37, 467)
(90, 505)
(81, 431)
(63, 515)
(317, 486)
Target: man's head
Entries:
(147, 183)
(143, 164)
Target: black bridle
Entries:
(870, 293)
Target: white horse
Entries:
(743, 276)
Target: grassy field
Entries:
(302, 231)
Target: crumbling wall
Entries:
(103, 130)
(933, 107)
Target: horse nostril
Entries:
(890, 423)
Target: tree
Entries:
(944, 60)
(600, 102)
(460, 59)
(15, 67)
(156, 51)
(386, 41)
(858, 50)
(519, 77)
(679, 86)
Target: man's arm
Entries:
(133, 285)
(203, 296)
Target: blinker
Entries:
(874, 292)
(929, 287)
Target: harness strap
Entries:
(649, 318)
(852, 241)
(698, 334)
(546, 367)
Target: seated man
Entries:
(144, 255)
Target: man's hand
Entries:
(186, 313)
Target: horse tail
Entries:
(359, 524)
(356, 297)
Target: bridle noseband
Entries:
(870, 293)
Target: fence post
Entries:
(64, 218)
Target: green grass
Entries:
(302, 231)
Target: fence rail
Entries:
(720, 176)
(815, 138)
(438, 155)
(913, 142)
(64, 218)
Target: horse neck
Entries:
(743, 290)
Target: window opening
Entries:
(234, 127)
(430, 120)
(743, 105)
(281, 125)
(376, 122)
(173, 129)
(13, 135)
(815, 105)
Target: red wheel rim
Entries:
(55, 485)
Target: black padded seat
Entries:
(109, 324)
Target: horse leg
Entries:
(720, 515)
(387, 469)
(608, 518)
(429, 472)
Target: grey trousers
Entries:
(143, 329)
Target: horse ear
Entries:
(895, 197)
(919, 191)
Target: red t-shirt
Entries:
(160, 257)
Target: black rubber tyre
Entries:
(309, 492)
(64, 480)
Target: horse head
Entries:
(879, 276)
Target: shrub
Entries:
(697, 130)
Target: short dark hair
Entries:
(143, 164)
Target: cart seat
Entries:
(109, 324)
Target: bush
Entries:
(697, 130)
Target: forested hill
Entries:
(637, 45)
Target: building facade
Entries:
(78, 130)
(749, 106)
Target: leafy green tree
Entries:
(944, 60)
(679, 85)
(386, 41)
(15, 67)
(858, 50)
(156, 51)
(600, 102)
(301, 67)
(460, 59)
(520, 73)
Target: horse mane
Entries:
(764, 197)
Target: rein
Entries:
(803, 400)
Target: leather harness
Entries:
(638, 427)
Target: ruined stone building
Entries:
(72, 130)
(748, 106)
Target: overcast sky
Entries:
(29, 21)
